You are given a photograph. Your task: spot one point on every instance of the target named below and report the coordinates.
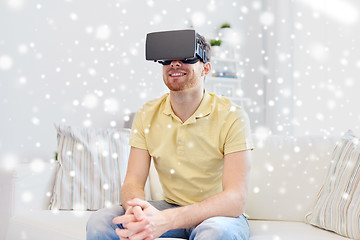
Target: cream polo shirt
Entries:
(189, 156)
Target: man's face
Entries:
(179, 76)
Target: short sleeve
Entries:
(238, 137)
(137, 136)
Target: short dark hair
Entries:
(205, 45)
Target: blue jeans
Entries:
(100, 226)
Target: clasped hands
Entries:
(141, 221)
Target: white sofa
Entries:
(287, 173)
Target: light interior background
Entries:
(81, 63)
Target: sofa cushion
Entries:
(54, 225)
(45, 224)
(281, 230)
(337, 206)
(71, 225)
(92, 167)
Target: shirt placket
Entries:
(181, 142)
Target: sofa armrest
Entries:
(32, 189)
(5, 200)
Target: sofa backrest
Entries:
(286, 176)
(32, 190)
(287, 173)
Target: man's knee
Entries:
(221, 228)
(213, 227)
(99, 217)
(100, 226)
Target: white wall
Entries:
(327, 58)
(314, 63)
(82, 63)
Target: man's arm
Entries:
(229, 203)
(136, 175)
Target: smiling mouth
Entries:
(177, 74)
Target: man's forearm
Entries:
(226, 204)
(130, 191)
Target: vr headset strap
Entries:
(201, 52)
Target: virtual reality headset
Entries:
(174, 45)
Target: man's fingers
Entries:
(136, 227)
(124, 238)
(123, 233)
(138, 202)
(139, 229)
(138, 213)
(141, 235)
(124, 219)
(150, 237)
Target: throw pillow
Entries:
(92, 167)
(337, 206)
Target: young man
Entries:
(200, 144)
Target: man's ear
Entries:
(207, 68)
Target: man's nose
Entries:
(175, 63)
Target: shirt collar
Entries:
(203, 110)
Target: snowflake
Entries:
(26, 196)
(198, 18)
(92, 72)
(276, 237)
(103, 32)
(90, 101)
(267, 18)
(73, 16)
(269, 167)
(108, 204)
(105, 153)
(16, 4)
(22, 49)
(37, 165)
(6, 62)
(111, 105)
(76, 102)
(35, 121)
(150, 3)
(87, 123)
(296, 149)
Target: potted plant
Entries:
(215, 42)
(225, 31)
(225, 25)
(215, 47)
